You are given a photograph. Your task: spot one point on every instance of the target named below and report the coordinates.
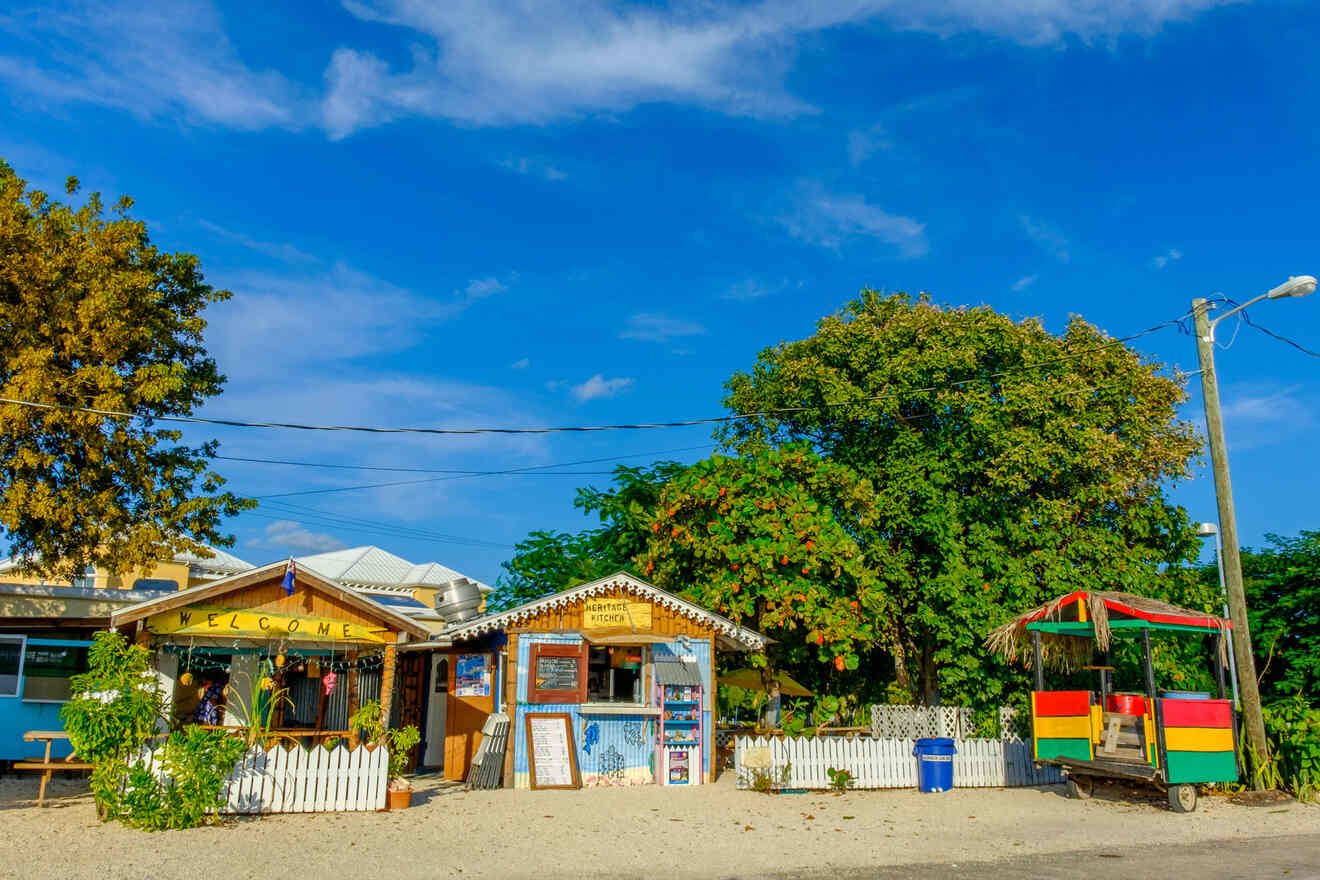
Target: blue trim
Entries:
(64, 643)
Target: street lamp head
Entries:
(1206, 530)
(1297, 285)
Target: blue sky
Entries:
(512, 214)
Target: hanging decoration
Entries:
(328, 682)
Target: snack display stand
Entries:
(681, 735)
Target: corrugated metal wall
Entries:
(306, 696)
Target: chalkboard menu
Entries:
(551, 760)
(557, 673)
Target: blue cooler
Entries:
(1185, 695)
(934, 763)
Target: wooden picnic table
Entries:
(45, 763)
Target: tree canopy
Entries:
(1009, 465)
(92, 315)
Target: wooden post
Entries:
(511, 705)
(1149, 665)
(387, 684)
(1037, 664)
(352, 697)
(1219, 663)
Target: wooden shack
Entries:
(608, 683)
(310, 636)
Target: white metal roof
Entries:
(219, 562)
(372, 566)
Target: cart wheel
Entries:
(1182, 798)
(1080, 787)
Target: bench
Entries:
(46, 763)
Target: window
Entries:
(614, 674)
(557, 674)
(155, 584)
(48, 668)
(88, 579)
(11, 664)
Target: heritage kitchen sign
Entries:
(620, 614)
(243, 623)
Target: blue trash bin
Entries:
(934, 763)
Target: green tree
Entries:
(93, 316)
(548, 561)
(1009, 464)
(772, 540)
(1283, 600)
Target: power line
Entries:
(236, 423)
(387, 531)
(1268, 332)
(409, 470)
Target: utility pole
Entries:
(1230, 554)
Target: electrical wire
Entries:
(367, 429)
(363, 467)
(1268, 332)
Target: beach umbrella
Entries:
(750, 679)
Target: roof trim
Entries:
(747, 639)
(202, 592)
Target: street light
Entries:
(1210, 530)
(1230, 557)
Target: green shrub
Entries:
(1293, 728)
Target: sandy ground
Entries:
(711, 831)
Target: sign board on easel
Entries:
(551, 757)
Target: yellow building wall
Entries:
(173, 571)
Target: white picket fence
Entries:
(883, 762)
(291, 779)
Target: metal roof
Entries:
(372, 566)
(675, 672)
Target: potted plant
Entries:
(399, 740)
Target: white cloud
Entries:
(832, 220)
(865, 143)
(278, 250)
(1167, 257)
(289, 535)
(1047, 237)
(521, 364)
(747, 290)
(164, 60)
(1258, 414)
(533, 167)
(655, 327)
(480, 288)
(1023, 283)
(598, 386)
(492, 62)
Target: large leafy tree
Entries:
(773, 540)
(1283, 601)
(548, 561)
(1009, 465)
(92, 315)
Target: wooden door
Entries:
(467, 711)
(412, 686)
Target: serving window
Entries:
(614, 674)
(47, 669)
(11, 665)
(557, 674)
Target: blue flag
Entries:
(289, 574)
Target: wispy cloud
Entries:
(490, 62)
(656, 327)
(1023, 283)
(748, 290)
(274, 249)
(1164, 259)
(532, 166)
(832, 220)
(865, 143)
(1047, 237)
(521, 364)
(167, 61)
(598, 386)
(480, 288)
(290, 535)
(1261, 414)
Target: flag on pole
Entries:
(289, 574)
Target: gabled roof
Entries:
(734, 636)
(372, 566)
(216, 589)
(221, 561)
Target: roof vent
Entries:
(460, 601)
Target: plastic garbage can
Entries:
(934, 763)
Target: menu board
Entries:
(551, 760)
(554, 673)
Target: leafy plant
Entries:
(257, 707)
(399, 740)
(840, 780)
(366, 720)
(187, 790)
(767, 780)
(1293, 728)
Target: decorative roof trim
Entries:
(621, 581)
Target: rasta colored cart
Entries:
(1171, 739)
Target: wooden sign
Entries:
(551, 756)
(242, 623)
(557, 673)
(616, 614)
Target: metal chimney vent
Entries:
(459, 602)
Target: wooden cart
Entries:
(1171, 739)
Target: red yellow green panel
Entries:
(1202, 767)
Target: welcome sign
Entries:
(244, 623)
(618, 614)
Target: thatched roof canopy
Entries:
(1098, 608)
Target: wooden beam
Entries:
(511, 705)
(387, 684)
